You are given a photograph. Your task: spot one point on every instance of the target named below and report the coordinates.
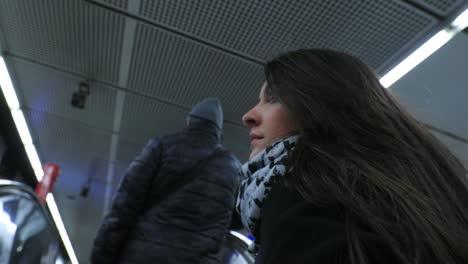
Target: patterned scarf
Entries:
(259, 176)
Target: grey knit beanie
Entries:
(209, 109)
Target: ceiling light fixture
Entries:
(7, 86)
(22, 126)
(425, 50)
(34, 160)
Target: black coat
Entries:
(148, 225)
(295, 231)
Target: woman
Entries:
(340, 173)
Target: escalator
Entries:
(235, 249)
(28, 234)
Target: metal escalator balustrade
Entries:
(27, 233)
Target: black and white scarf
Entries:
(259, 176)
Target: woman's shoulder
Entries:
(285, 207)
(295, 230)
(284, 199)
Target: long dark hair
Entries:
(363, 153)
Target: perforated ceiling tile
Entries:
(75, 147)
(144, 118)
(178, 70)
(50, 91)
(67, 34)
(442, 7)
(372, 30)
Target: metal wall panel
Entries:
(66, 34)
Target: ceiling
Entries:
(436, 93)
(147, 62)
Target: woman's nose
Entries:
(250, 119)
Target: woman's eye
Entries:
(270, 99)
(268, 96)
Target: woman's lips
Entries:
(254, 139)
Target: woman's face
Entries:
(268, 122)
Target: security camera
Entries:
(79, 97)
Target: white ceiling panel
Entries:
(81, 152)
(71, 145)
(82, 218)
(179, 70)
(372, 30)
(50, 91)
(67, 34)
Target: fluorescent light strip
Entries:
(425, 50)
(22, 127)
(419, 55)
(461, 22)
(61, 228)
(7, 86)
(39, 172)
(34, 160)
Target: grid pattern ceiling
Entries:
(144, 118)
(178, 70)
(372, 30)
(178, 57)
(69, 35)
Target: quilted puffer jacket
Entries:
(171, 207)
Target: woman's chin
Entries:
(254, 152)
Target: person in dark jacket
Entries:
(175, 201)
(340, 173)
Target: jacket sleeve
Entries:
(128, 204)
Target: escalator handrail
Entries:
(240, 236)
(17, 186)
